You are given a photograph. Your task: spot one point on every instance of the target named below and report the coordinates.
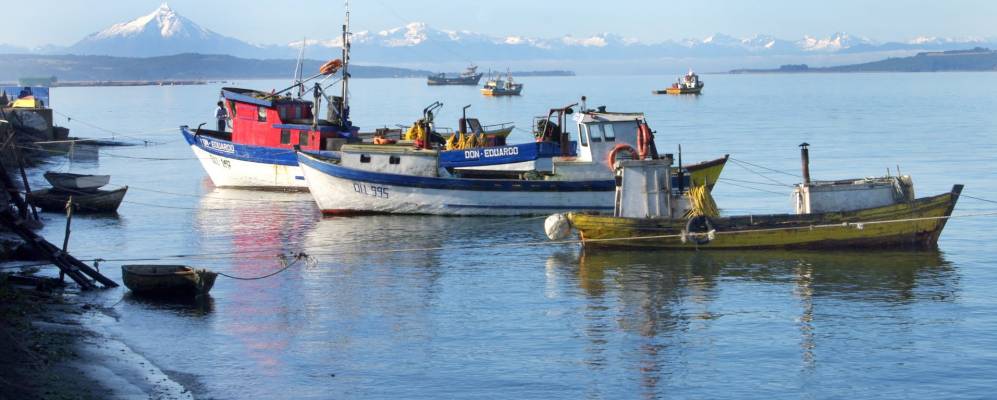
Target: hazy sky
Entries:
(64, 22)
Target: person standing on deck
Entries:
(222, 116)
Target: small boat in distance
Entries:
(470, 76)
(688, 84)
(167, 280)
(499, 87)
(69, 181)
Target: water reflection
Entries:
(247, 230)
(187, 306)
(671, 300)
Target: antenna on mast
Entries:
(345, 107)
(298, 68)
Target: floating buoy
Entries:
(557, 226)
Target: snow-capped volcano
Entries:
(163, 20)
(161, 32)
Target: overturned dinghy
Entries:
(167, 280)
(860, 213)
(70, 181)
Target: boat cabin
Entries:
(262, 119)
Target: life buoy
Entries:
(382, 140)
(644, 140)
(698, 230)
(611, 159)
(330, 67)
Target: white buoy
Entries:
(557, 226)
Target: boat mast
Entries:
(298, 69)
(346, 65)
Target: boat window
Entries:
(261, 114)
(583, 134)
(302, 138)
(364, 158)
(394, 160)
(608, 133)
(595, 133)
(285, 136)
(297, 112)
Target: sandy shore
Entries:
(55, 348)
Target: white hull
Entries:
(230, 172)
(336, 195)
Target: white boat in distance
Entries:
(403, 179)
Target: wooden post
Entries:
(27, 187)
(69, 221)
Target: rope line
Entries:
(776, 181)
(753, 188)
(297, 257)
(765, 168)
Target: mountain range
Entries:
(165, 32)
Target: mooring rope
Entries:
(297, 257)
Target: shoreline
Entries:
(56, 345)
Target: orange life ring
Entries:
(382, 140)
(330, 67)
(644, 139)
(611, 159)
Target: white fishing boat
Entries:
(563, 174)
(267, 126)
(502, 87)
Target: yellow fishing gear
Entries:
(701, 202)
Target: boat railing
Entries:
(502, 125)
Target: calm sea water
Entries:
(456, 316)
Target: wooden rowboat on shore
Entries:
(167, 280)
(68, 181)
(95, 201)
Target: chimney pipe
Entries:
(805, 156)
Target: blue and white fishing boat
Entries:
(259, 153)
(540, 177)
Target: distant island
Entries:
(976, 59)
(189, 68)
(176, 67)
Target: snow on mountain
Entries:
(161, 32)
(837, 42)
(166, 32)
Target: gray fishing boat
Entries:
(470, 76)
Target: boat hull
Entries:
(339, 190)
(342, 191)
(463, 80)
(167, 280)
(917, 224)
(234, 165)
(698, 90)
(99, 201)
(68, 181)
(502, 92)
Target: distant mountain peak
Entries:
(163, 20)
(160, 32)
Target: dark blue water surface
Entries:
(436, 307)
